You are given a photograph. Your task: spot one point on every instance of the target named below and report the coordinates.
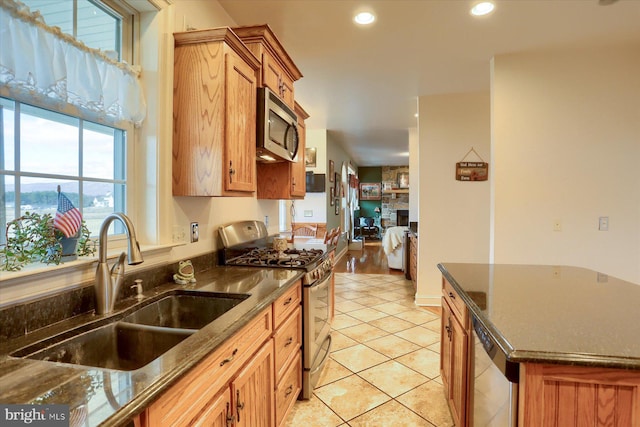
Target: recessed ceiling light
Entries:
(482, 8)
(364, 18)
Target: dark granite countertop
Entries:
(553, 314)
(112, 398)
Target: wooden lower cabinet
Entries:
(454, 353)
(252, 380)
(575, 396)
(413, 260)
(455, 364)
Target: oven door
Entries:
(316, 318)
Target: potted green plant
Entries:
(33, 238)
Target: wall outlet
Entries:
(195, 233)
(308, 213)
(179, 234)
(266, 220)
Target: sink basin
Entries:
(120, 346)
(186, 311)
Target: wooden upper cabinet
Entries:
(214, 114)
(286, 180)
(278, 71)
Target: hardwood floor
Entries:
(370, 260)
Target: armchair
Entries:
(369, 229)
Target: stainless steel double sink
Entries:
(136, 339)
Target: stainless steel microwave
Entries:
(277, 129)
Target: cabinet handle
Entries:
(230, 417)
(289, 390)
(289, 341)
(451, 295)
(232, 171)
(239, 405)
(288, 301)
(229, 359)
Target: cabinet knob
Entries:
(451, 295)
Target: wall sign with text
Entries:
(472, 171)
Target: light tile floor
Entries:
(384, 369)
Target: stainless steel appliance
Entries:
(493, 382)
(247, 244)
(277, 129)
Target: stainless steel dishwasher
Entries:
(493, 382)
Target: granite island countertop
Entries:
(113, 398)
(553, 314)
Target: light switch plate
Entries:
(195, 233)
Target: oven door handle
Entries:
(324, 282)
(324, 358)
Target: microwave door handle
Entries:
(292, 128)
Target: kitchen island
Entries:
(572, 333)
(114, 397)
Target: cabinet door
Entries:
(298, 167)
(253, 391)
(240, 125)
(458, 384)
(218, 412)
(445, 347)
(275, 78)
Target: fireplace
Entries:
(402, 217)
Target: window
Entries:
(41, 150)
(97, 24)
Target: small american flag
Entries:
(68, 218)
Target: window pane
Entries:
(97, 28)
(40, 195)
(7, 139)
(101, 199)
(98, 151)
(48, 141)
(55, 13)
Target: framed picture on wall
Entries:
(310, 157)
(331, 169)
(337, 184)
(370, 191)
(337, 207)
(332, 195)
(403, 179)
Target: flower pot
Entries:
(69, 247)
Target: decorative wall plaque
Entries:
(472, 171)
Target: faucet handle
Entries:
(118, 267)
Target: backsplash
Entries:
(24, 318)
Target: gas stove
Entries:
(289, 258)
(247, 244)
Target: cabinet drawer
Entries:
(286, 304)
(288, 389)
(287, 341)
(190, 395)
(455, 302)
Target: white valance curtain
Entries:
(39, 64)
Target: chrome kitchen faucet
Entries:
(108, 281)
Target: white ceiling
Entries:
(362, 83)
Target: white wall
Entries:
(414, 175)
(454, 215)
(566, 148)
